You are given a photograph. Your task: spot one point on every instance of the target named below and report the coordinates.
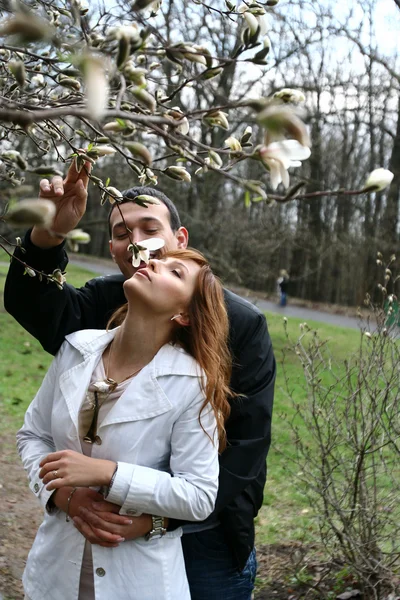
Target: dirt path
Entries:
(20, 516)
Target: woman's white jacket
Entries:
(167, 466)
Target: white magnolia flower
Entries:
(102, 150)
(233, 144)
(96, 85)
(290, 95)
(378, 180)
(280, 156)
(128, 32)
(78, 236)
(141, 251)
(58, 277)
(253, 21)
(281, 121)
(37, 80)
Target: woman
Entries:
(136, 411)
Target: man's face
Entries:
(143, 223)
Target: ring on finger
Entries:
(55, 473)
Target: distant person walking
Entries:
(283, 282)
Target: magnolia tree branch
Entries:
(26, 118)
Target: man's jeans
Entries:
(211, 570)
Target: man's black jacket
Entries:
(50, 314)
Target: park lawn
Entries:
(23, 362)
(286, 514)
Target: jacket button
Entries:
(100, 572)
(36, 487)
(98, 440)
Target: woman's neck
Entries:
(136, 343)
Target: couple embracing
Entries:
(146, 443)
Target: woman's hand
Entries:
(70, 468)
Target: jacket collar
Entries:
(143, 398)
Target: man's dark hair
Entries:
(130, 195)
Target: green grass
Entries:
(286, 513)
(23, 362)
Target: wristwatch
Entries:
(158, 528)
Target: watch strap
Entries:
(158, 528)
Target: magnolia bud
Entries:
(79, 236)
(217, 119)
(123, 52)
(15, 157)
(138, 149)
(96, 85)
(17, 68)
(37, 80)
(378, 180)
(30, 272)
(246, 135)
(99, 151)
(58, 277)
(114, 195)
(28, 213)
(211, 73)
(144, 199)
(69, 82)
(233, 144)
(114, 126)
(252, 22)
(28, 27)
(214, 159)
(288, 95)
(144, 98)
(178, 173)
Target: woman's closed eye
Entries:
(177, 273)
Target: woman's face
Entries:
(166, 286)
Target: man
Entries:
(219, 553)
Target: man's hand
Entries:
(101, 524)
(83, 498)
(69, 196)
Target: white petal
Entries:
(295, 163)
(144, 255)
(285, 176)
(136, 260)
(262, 21)
(292, 149)
(274, 174)
(152, 243)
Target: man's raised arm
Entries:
(46, 312)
